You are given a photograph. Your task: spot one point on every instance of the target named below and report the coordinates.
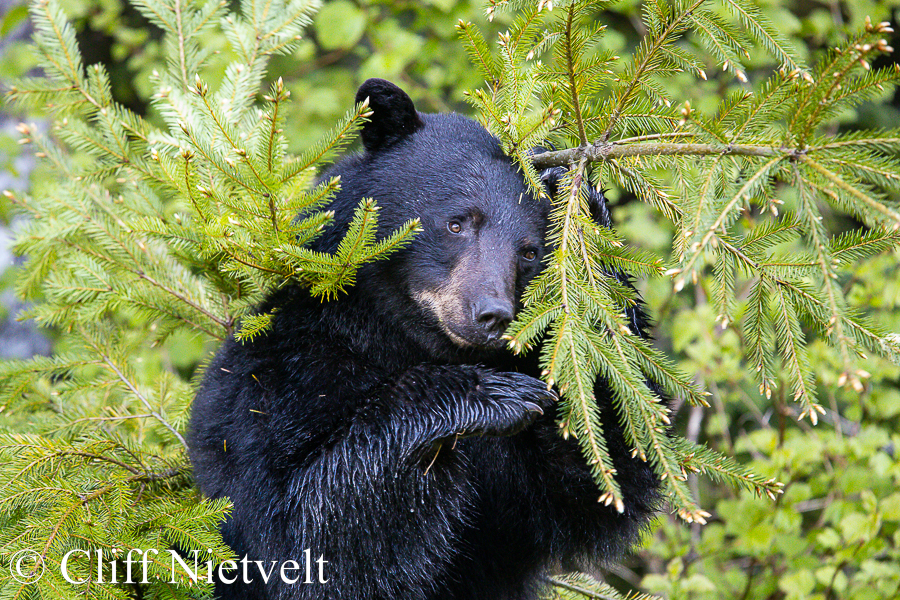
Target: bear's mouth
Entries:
(444, 309)
(463, 341)
(457, 339)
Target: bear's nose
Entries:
(493, 315)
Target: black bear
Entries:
(389, 433)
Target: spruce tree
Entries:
(148, 232)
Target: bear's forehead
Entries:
(453, 166)
(491, 188)
(460, 154)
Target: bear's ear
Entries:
(596, 199)
(550, 177)
(394, 116)
(598, 207)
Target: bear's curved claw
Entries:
(505, 404)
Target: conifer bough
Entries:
(143, 231)
(549, 79)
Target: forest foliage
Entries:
(163, 231)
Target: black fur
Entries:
(421, 468)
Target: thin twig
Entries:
(130, 385)
(605, 151)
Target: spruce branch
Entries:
(724, 215)
(130, 384)
(891, 215)
(647, 57)
(695, 458)
(812, 221)
(572, 72)
(180, 40)
(606, 151)
(575, 586)
(764, 32)
(758, 144)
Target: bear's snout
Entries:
(493, 315)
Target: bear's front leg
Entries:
(385, 505)
(435, 403)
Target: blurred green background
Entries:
(835, 533)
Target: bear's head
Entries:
(459, 283)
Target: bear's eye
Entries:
(529, 255)
(454, 227)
